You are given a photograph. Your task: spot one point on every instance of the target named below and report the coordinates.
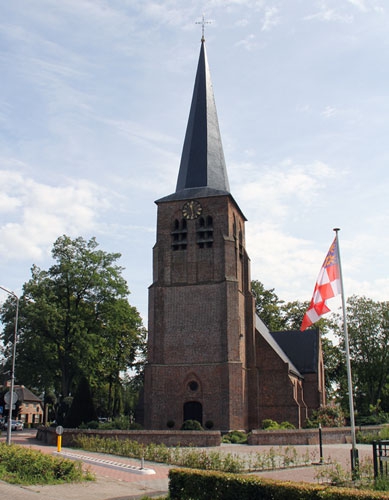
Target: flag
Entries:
(328, 285)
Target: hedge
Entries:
(185, 484)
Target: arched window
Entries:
(179, 235)
(205, 232)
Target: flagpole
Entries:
(354, 451)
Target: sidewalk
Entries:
(113, 483)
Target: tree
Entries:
(82, 409)
(74, 320)
(274, 312)
(368, 330)
(267, 306)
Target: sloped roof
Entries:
(202, 169)
(277, 348)
(302, 348)
(25, 395)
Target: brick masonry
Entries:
(206, 361)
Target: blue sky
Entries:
(94, 101)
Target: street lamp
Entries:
(11, 395)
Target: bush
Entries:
(235, 437)
(203, 485)
(270, 425)
(123, 423)
(94, 424)
(326, 416)
(368, 438)
(26, 466)
(191, 425)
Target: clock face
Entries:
(191, 210)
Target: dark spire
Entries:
(202, 161)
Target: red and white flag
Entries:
(328, 285)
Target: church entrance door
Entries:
(193, 410)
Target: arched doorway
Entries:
(193, 410)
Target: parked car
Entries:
(16, 425)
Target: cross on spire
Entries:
(203, 22)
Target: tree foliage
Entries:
(75, 321)
(368, 331)
(274, 312)
(82, 409)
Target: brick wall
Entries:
(169, 438)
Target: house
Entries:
(30, 406)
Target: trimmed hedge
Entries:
(187, 484)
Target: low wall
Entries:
(169, 438)
(330, 435)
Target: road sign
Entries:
(7, 397)
(59, 430)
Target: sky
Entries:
(94, 103)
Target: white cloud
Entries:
(271, 19)
(248, 43)
(360, 4)
(329, 112)
(273, 188)
(34, 214)
(329, 15)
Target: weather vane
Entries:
(203, 22)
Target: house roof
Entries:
(277, 348)
(302, 348)
(25, 395)
(202, 170)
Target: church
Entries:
(210, 357)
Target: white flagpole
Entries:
(354, 451)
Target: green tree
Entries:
(74, 320)
(124, 339)
(82, 409)
(267, 306)
(368, 330)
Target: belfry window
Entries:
(179, 235)
(205, 232)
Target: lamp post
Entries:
(11, 395)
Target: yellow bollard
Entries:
(59, 443)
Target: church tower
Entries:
(201, 310)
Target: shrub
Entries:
(235, 437)
(269, 424)
(191, 425)
(326, 416)
(26, 466)
(94, 424)
(123, 423)
(286, 425)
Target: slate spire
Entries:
(202, 165)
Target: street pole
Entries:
(15, 336)
(354, 450)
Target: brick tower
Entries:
(201, 344)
